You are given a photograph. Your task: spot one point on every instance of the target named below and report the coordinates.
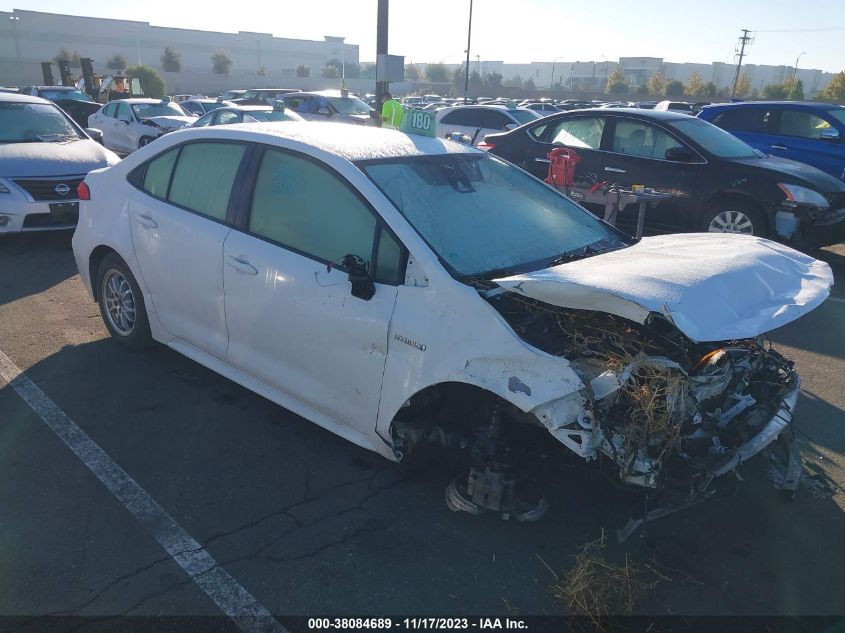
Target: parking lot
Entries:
(308, 523)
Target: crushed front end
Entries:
(670, 413)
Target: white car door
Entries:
(104, 121)
(292, 317)
(178, 230)
(124, 132)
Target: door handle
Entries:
(241, 265)
(781, 147)
(147, 221)
(615, 170)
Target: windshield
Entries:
(523, 116)
(714, 139)
(54, 95)
(483, 216)
(211, 105)
(29, 122)
(146, 110)
(249, 94)
(349, 105)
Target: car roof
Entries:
(803, 105)
(200, 100)
(16, 97)
(352, 142)
(56, 88)
(139, 100)
(244, 108)
(657, 115)
(321, 93)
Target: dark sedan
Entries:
(718, 183)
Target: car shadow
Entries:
(305, 515)
(33, 262)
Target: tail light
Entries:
(83, 192)
(486, 146)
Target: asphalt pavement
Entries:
(308, 523)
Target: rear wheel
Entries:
(121, 303)
(731, 216)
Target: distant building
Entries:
(29, 37)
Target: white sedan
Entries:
(128, 124)
(477, 121)
(400, 291)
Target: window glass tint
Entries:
(537, 130)
(123, 112)
(157, 176)
(803, 124)
(584, 132)
(838, 114)
(389, 259)
(109, 110)
(634, 138)
(461, 116)
(522, 116)
(493, 119)
(204, 175)
(744, 119)
(304, 206)
(204, 120)
(225, 117)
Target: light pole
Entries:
(14, 20)
(795, 68)
(469, 37)
(552, 83)
(571, 72)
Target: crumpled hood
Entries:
(795, 172)
(36, 160)
(170, 122)
(713, 287)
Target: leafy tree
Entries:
(694, 85)
(333, 68)
(151, 82)
(528, 84)
(835, 89)
(117, 62)
(492, 80)
(642, 90)
(438, 72)
(221, 63)
(674, 88)
(303, 71)
(709, 90)
(412, 72)
(171, 61)
(617, 84)
(73, 58)
(513, 82)
(775, 91)
(657, 84)
(796, 91)
(743, 85)
(755, 94)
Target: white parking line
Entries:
(836, 299)
(232, 599)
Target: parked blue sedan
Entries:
(812, 133)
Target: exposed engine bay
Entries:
(669, 413)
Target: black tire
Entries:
(125, 317)
(734, 216)
(145, 140)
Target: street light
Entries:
(552, 84)
(795, 68)
(15, 19)
(469, 37)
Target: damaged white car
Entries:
(128, 124)
(402, 291)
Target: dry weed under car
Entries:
(596, 588)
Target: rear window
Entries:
(744, 120)
(203, 178)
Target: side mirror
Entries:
(359, 276)
(829, 135)
(324, 110)
(95, 134)
(680, 155)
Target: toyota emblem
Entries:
(62, 189)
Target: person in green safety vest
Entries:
(392, 112)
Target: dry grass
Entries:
(597, 588)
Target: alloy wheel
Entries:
(119, 302)
(731, 222)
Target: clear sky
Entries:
(517, 30)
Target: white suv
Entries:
(477, 121)
(403, 290)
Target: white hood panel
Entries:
(713, 287)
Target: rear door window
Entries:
(583, 132)
(462, 116)
(493, 119)
(157, 174)
(744, 120)
(204, 175)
